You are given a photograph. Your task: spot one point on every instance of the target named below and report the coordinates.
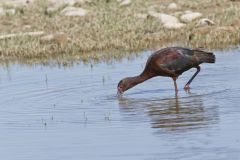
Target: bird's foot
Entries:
(187, 88)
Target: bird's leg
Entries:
(175, 84)
(189, 82)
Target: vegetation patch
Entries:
(106, 29)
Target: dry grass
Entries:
(109, 28)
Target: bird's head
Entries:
(123, 85)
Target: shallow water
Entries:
(53, 113)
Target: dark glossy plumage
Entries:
(169, 62)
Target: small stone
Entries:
(141, 16)
(174, 25)
(51, 10)
(70, 2)
(10, 11)
(189, 17)
(164, 18)
(177, 14)
(17, 3)
(4, 12)
(205, 22)
(125, 2)
(172, 6)
(73, 11)
(187, 11)
(65, 2)
(54, 5)
(168, 21)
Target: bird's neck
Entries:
(133, 81)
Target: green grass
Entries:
(111, 32)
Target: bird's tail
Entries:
(204, 57)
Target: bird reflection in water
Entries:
(178, 114)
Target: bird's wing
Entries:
(176, 60)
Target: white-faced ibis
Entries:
(169, 62)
